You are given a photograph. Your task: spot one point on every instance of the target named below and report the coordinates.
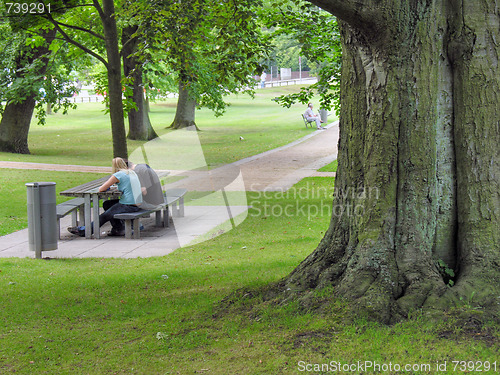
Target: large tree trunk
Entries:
(15, 125)
(138, 119)
(418, 177)
(16, 118)
(114, 79)
(186, 108)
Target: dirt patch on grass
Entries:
(470, 327)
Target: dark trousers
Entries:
(111, 208)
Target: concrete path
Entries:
(274, 170)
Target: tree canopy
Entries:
(316, 32)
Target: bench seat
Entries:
(173, 198)
(72, 206)
(133, 217)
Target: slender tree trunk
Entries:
(186, 108)
(114, 79)
(16, 119)
(418, 176)
(139, 123)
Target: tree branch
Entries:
(99, 9)
(361, 14)
(81, 29)
(74, 42)
(132, 39)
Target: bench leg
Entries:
(74, 221)
(137, 229)
(82, 215)
(158, 218)
(166, 218)
(175, 209)
(181, 206)
(97, 228)
(88, 220)
(128, 229)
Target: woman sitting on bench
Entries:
(130, 200)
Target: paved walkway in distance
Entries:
(274, 170)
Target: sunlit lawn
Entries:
(172, 314)
(83, 136)
(165, 315)
(13, 211)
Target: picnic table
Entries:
(91, 195)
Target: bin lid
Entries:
(31, 184)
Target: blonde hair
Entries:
(119, 164)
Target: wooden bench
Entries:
(173, 198)
(72, 206)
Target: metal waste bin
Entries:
(323, 114)
(42, 217)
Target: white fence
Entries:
(289, 82)
(85, 99)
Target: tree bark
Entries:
(15, 125)
(16, 118)
(418, 175)
(138, 119)
(107, 14)
(186, 108)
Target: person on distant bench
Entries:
(130, 200)
(310, 116)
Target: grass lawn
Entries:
(180, 314)
(165, 316)
(332, 167)
(83, 137)
(13, 211)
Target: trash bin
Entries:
(323, 114)
(42, 217)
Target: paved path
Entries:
(273, 170)
(54, 167)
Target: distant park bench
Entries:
(307, 122)
(174, 198)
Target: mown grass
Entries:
(83, 137)
(172, 314)
(13, 211)
(332, 167)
